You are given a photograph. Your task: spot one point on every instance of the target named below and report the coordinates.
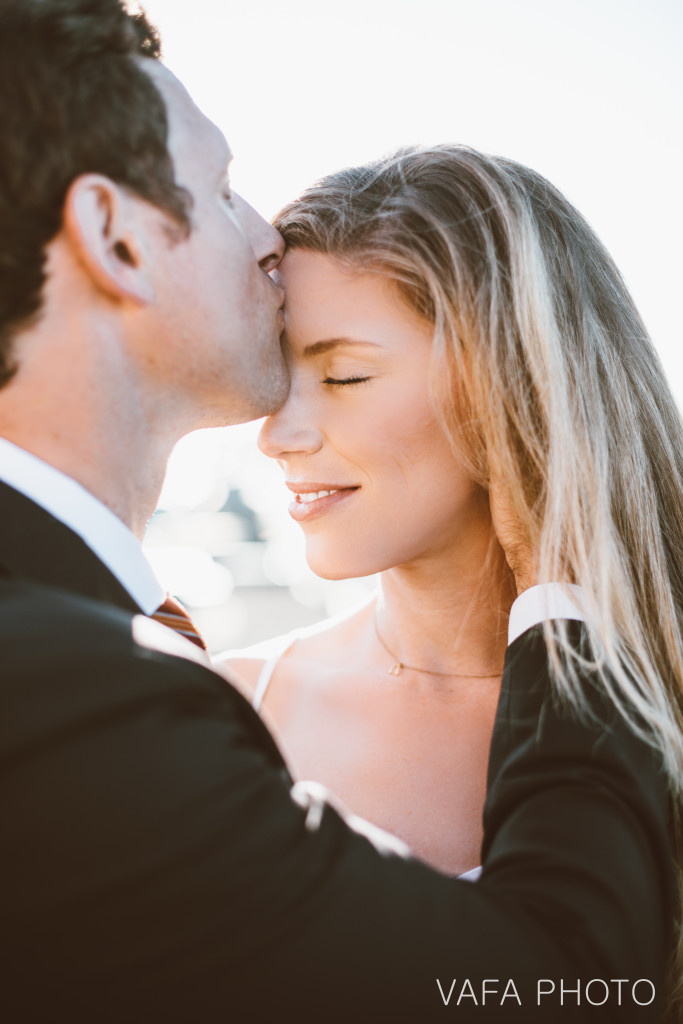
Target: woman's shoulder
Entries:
(250, 662)
(320, 640)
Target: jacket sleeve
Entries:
(160, 869)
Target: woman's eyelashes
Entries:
(338, 382)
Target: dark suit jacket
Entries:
(154, 867)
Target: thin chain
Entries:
(398, 666)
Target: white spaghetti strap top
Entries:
(266, 673)
(263, 682)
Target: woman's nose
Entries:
(287, 432)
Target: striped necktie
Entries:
(172, 614)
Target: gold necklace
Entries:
(398, 666)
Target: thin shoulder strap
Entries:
(267, 671)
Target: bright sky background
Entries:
(589, 92)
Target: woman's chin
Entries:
(332, 568)
(329, 572)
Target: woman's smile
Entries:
(313, 500)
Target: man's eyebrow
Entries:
(319, 347)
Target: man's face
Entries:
(218, 313)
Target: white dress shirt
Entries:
(104, 533)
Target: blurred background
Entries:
(588, 92)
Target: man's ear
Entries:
(104, 224)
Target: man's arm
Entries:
(161, 871)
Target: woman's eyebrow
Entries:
(318, 347)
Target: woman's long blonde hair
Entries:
(553, 381)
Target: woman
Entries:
(452, 319)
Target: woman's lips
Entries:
(308, 504)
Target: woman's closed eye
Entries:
(337, 382)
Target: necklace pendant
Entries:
(396, 669)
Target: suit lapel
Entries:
(36, 546)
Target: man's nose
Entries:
(267, 243)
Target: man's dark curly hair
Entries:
(73, 100)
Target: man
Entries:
(156, 866)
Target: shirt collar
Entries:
(104, 533)
(544, 601)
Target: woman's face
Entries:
(374, 481)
